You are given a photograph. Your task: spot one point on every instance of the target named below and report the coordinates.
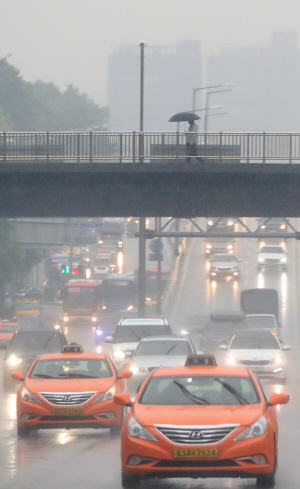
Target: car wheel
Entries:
(23, 431)
(130, 481)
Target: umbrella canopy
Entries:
(184, 116)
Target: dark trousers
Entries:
(191, 150)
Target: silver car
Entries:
(224, 265)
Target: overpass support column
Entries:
(142, 268)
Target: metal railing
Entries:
(148, 147)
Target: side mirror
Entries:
(275, 399)
(17, 376)
(108, 339)
(223, 347)
(286, 347)
(125, 374)
(123, 398)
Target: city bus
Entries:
(119, 293)
(82, 301)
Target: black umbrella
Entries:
(184, 116)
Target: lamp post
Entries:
(206, 103)
(207, 88)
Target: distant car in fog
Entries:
(224, 265)
(220, 224)
(218, 245)
(259, 350)
(153, 352)
(25, 346)
(272, 256)
(220, 328)
(274, 224)
(263, 321)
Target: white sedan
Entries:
(272, 256)
(224, 265)
(259, 350)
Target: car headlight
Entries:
(277, 360)
(13, 360)
(263, 226)
(261, 260)
(208, 246)
(136, 430)
(229, 247)
(99, 332)
(282, 260)
(118, 354)
(282, 226)
(231, 360)
(27, 396)
(134, 369)
(129, 308)
(107, 396)
(256, 429)
(230, 223)
(210, 223)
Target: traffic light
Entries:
(65, 268)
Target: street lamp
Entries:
(206, 103)
(207, 88)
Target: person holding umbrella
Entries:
(191, 140)
(191, 135)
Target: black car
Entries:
(106, 327)
(25, 346)
(273, 225)
(220, 328)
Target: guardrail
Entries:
(148, 147)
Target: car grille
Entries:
(254, 362)
(271, 260)
(84, 312)
(196, 435)
(67, 398)
(28, 361)
(68, 418)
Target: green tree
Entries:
(6, 123)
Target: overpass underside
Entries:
(166, 189)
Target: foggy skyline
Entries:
(68, 41)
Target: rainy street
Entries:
(91, 458)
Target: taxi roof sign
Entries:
(72, 348)
(200, 359)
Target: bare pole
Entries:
(142, 220)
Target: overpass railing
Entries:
(148, 147)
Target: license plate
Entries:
(66, 411)
(196, 453)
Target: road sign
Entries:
(156, 256)
(156, 245)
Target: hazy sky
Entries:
(68, 41)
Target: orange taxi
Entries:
(71, 389)
(200, 421)
(7, 330)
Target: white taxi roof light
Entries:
(72, 348)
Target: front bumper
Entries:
(90, 418)
(271, 265)
(267, 371)
(228, 464)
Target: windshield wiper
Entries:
(196, 399)
(233, 391)
(172, 348)
(49, 339)
(44, 376)
(74, 375)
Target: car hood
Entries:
(197, 415)
(26, 354)
(222, 264)
(255, 354)
(159, 361)
(68, 385)
(274, 256)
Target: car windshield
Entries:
(133, 334)
(164, 347)
(71, 368)
(27, 306)
(271, 249)
(10, 328)
(36, 341)
(76, 296)
(261, 322)
(224, 258)
(254, 343)
(199, 389)
(223, 327)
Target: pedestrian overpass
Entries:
(146, 174)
